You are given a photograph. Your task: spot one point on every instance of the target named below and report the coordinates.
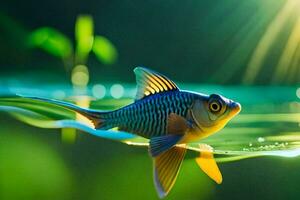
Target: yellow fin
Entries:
(208, 164)
(166, 168)
(150, 82)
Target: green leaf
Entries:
(104, 50)
(84, 34)
(51, 41)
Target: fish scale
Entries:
(148, 117)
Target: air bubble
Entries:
(260, 139)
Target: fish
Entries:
(170, 118)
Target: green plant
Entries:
(75, 56)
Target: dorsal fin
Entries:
(150, 82)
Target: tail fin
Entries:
(98, 118)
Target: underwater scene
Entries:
(192, 100)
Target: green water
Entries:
(47, 47)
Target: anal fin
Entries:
(166, 167)
(208, 164)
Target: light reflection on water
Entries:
(267, 125)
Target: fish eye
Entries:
(215, 106)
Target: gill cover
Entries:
(211, 113)
(199, 113)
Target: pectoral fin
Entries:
(177, 124)
(176, 127)
(166, 167)
(208, 164)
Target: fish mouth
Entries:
(235, 108)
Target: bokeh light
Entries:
(298, 93)
(59, 94)
(117, 91)
(80, 75)
(99, 91)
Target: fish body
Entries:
(169, 118)
(148, 117)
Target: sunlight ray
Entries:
(288, 55)
(265, 44)
(292, 73)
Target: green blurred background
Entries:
(246, 50)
